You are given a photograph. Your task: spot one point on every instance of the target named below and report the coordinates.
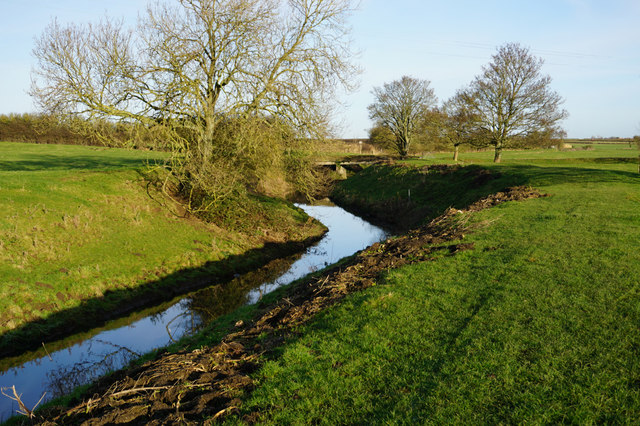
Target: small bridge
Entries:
(342, 167)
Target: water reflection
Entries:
(105, 357)
(60, 371)
(347, 234)
(212, 302)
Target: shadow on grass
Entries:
(38, 162)
(116, 303)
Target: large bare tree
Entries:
(401, 106)
(191, 66)
(511, 97)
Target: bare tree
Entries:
(401, 106)
(190, 66)
(461, 124)
(511, 98)
(636, 139)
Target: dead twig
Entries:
(224, 412)
(46, 351)
(144, 389)
(87, 406)
(23, 408)
(320, 284)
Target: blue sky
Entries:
(591, 50)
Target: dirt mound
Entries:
(189, 387)
(517, 193)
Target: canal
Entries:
(97, 352)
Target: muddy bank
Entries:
(189, 387)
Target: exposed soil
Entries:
(204, 385)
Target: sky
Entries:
(591, 50)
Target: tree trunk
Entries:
(402, 144)
(206, 143)
(498, 153)
(455, 153)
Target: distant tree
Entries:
(636, 139)
(461, 124)
(401, 107)
(512, 99)
(430, 135)
(427, 135)
(382, 137)
(545, 138)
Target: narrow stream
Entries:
(61, 366)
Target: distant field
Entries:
(600, 151)
(77, 226)
(537, 324)
(50, 158)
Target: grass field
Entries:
(79, 234)
(537, 324)
(596, 152)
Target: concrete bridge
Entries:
(342, 167)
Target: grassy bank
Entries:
(404, 196)
(81, 241)
(539, 323)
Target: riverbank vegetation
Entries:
(56, 129)
(234, 89)
(81, 240)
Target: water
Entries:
(57, 371)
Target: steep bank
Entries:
(402, 197)
(82, 242)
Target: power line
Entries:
(547, 52)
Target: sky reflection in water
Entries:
(59, 372)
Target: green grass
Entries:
(34, 157)
(406, 196)
(78, 231)
(599, 152)
(538, 324)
